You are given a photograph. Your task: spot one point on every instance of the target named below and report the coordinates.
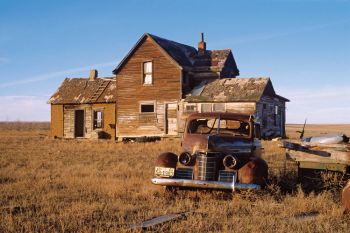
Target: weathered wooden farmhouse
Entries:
(168, 80)
(84, 108)
(157, 85)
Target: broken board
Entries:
(158, 220)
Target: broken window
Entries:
(219, 107)
(147, 107)
(98, 119)
(147, 73)
(206, 107)
(147, 116)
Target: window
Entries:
(219, 107)
(147, 108)
(206, 108)
(147, 115)
(275, 115)
(98, 119)
(147, 77)
(191, 108)
(228, 127)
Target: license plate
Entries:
(164, 171)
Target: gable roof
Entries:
(181, 53)
(233, 90)
(85, 91)
(185, 56)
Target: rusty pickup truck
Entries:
(220, 151)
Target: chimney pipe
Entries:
(202, 46)
(93, 75)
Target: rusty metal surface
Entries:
(166, 159)
(346, 197)
(194, 142)
(202, 164)
(255, 171)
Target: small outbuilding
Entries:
(84, 108)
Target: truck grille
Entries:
(206, 166)
(184, 173)
(226, 176)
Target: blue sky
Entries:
(303, 45)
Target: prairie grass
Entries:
(49, 185)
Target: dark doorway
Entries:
(79, 123)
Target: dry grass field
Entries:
(49, 185)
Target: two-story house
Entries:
(160, 82)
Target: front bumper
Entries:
(203, 184)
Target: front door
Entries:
(79, 123)
(171, 119)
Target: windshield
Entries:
(230, 127)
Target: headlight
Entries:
(230, 161)
(185, 158)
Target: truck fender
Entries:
(254, 171)
(166, 159)
(345, 197)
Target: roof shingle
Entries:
(232, 90)
(81, 91)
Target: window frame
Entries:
(95, 111)
(143, 73)
(217, 104)
(190, 105)
(211, 107)
(147, 103)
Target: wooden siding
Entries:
(166, 87)
(272, 124)
(56, 125)
(108, 129)
(246, 108)
(68, 121)
(108, 119)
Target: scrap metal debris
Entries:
(158, 220)
(306, 216)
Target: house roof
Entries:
(181, 53)
(185, 56)
(85, 91)
(233, 90)
(212, 58)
